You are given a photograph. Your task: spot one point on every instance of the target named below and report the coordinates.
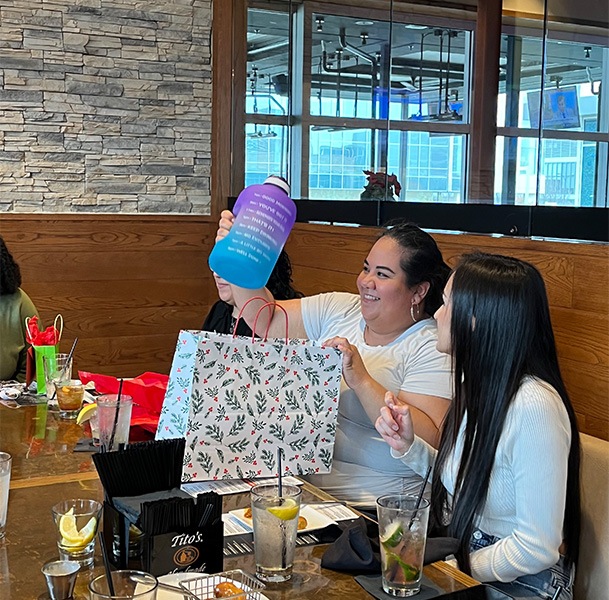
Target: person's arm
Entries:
(426, 410)
(537, 442)
(27, 309)
(427, 413)
(270, 318)
(396, 427)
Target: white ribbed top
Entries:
(527, 490)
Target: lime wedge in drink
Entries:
(287, 511)
(393, 535)
(410, 573)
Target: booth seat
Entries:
(592, 577)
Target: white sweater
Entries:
(527, 490)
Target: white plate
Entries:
(174, 579)
(315, 519)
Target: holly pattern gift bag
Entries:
(251, 397)
(176, 404)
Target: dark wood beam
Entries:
(487, 45)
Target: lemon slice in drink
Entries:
(86, 413)
(287, 511)
(71, 535)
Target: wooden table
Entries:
(46, 470)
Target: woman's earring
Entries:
(412, 316)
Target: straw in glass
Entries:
(70, 355)
(106, 559)
(118, 406)
(279, 481)
(419, 498)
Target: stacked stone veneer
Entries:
(105, 106)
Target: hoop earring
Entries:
(412, 316)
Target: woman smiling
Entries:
(388, 341)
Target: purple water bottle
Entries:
(264, 216)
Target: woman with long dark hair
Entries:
(388, 339)
(506, 473)
(15, 306)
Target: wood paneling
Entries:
(125, 285)
(576, 276)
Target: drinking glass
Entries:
(5, 479)
(57, 371)
(128, 585)
(402, 533)
(108, 423)
(76, 524)
(70, 395)
(275, 521)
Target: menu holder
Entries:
(149, 523)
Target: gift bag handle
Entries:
(58, 329)
(265, 305)
(266, 333)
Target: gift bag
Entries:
(176, 404)
(251, 398)
(237, 400)
(44, 343)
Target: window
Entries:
(330, 90)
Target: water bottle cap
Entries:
(279, 182)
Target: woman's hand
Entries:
(227, 218)
(355, 373)
(395, 424)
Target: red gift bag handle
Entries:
(266, 304)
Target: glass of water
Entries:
(275, 521)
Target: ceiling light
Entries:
(364, 23)
(413, 26)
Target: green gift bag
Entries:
(39, 352)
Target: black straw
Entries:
(106, 559)
(419, 498)
(70, 355)
(115, 424)
(279, 482)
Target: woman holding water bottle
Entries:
(506, 473)
(388, 341)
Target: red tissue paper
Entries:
(49, 337)
(147, 391)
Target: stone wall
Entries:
(105, 106)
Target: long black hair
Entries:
(421, 261)
(280, 282)
(500, 332)
(10, 274)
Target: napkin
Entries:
(147, 391)
(438, 548)
(354, 550)
(374, 586)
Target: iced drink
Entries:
(275, 523)
(402, 533)
(69, 398)
(113, 429)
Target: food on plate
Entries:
(226, 589)
(248, 513)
